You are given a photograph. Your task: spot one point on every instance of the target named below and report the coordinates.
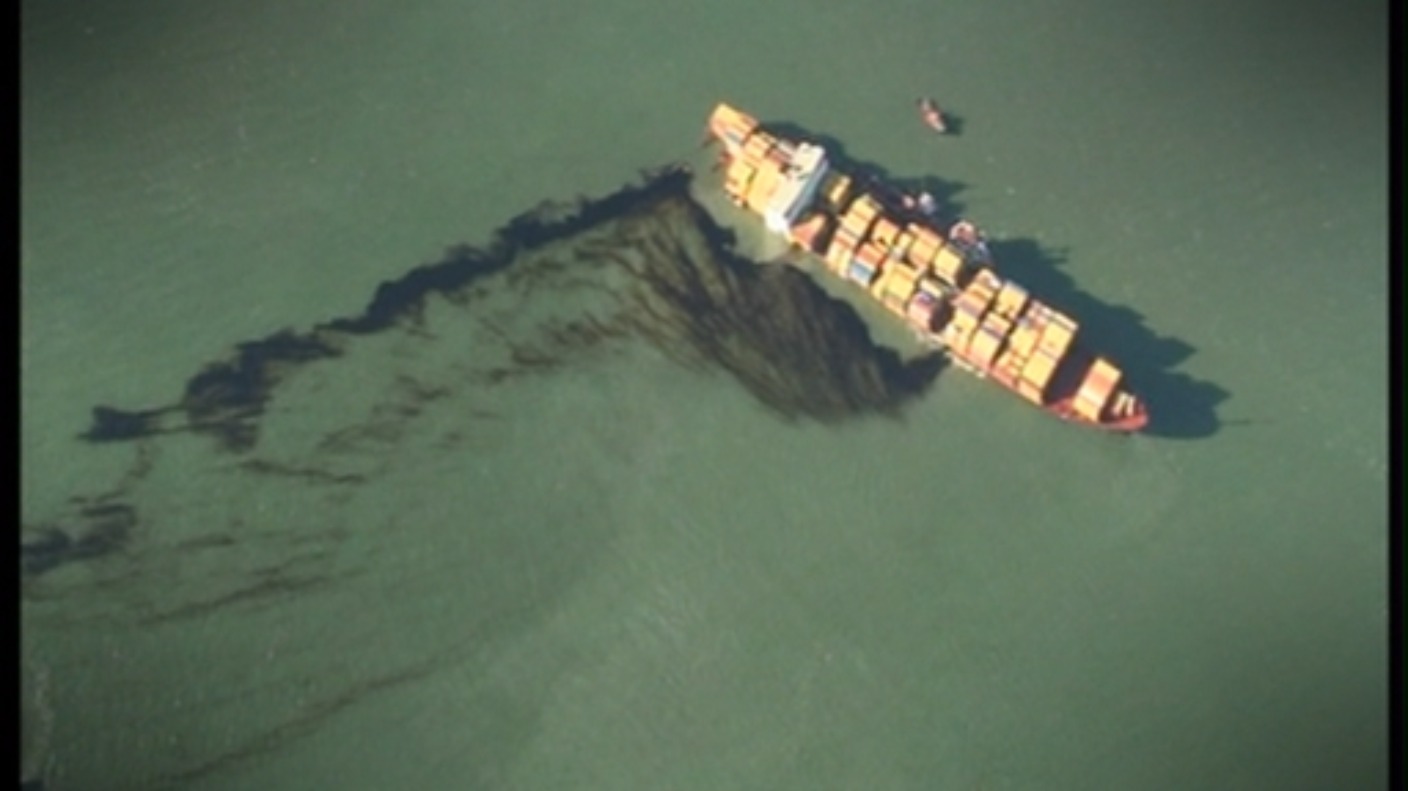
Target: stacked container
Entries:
(1100, 383)
(1011, 299)
(731, 126)
(884, 233)
(836, 191)
(854, 227)
(765, 182)
(949, 266)
(1021, 342)
(901, 280)
(989, 338)
(757, 146)
(926, 243)
(926, 308)
(865, 264)
(1056, 339)
(738, 179)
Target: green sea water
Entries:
(622, 575)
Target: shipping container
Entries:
(738, 179)
(983, 346)
(860, 272)
(925, 245)
(986, 284)
(905, 279)
(884, 233)
(997, 323)
(1007, 367)
(1039, 369)
(960, 327)
(758, 146)
(764, 184)
(900, 249)
(1033, 393)
(836, 191)
(934, 286)
(1010, 300)
(977, 296)
(842, 248)
(859, 218)
(782, 152)
(871, 255)
(1103, 370)
(1055, 340)
(948, 265)
(1024, 336)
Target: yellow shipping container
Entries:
(1038, 370)
(948, 265)
(860, 216)
(1024, 337)
(878, 286)
(738, 178)
(901, 245)
(985, 284)
(960, 328)
(1011, 299)
(884, 233)
(983, 347)
(1031, 392)
(1103, 370)
(997, 323)
(933, 287)
(837, 190)
(926, 244)
(1056, 340)
(764, 185)
(977, 298)
(840, 252)
(902, 281)
(726, 116)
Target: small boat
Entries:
(931, 115)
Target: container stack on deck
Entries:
(941, 284)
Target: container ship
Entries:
(939, 280)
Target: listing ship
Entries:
(940, 280)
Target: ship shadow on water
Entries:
(1180, 406)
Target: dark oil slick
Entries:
(556, 288)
